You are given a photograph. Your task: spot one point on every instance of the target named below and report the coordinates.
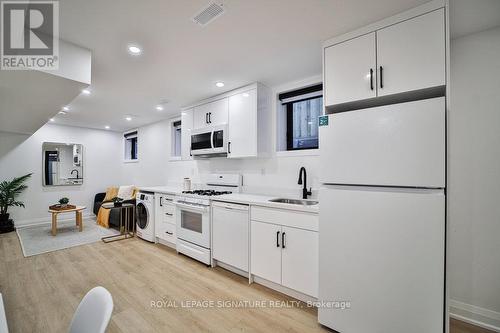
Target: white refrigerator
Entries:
(382, 219)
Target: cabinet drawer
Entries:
(168, 214)
(166, 231)
(285, 217)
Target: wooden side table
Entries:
(78, 216)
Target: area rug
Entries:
(38, 239)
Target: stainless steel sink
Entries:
(295, 201)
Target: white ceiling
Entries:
(271, 41)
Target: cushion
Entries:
(126, 192)
(111, 192)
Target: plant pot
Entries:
(6, 226)
(4, 218)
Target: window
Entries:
(176, 139)
(300, 111)
(131, 146)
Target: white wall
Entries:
(273, 175)
(474, 176)
(102, 168)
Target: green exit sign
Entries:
(323, 121)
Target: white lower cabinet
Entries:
(285, 254)
(230, 234)
(165, 218)
(299, 260)
(266, 251)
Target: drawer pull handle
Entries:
(169, 233)
(169, 214)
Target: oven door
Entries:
(193, 224)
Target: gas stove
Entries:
(193, 215)
(206, 192)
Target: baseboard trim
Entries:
(475, 315)
(47, 220)
(284, 290)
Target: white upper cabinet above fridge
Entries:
(411, 54)
(211, 114)
(350, 70)
(402, 57)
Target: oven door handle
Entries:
(195, 208)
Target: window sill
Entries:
(131, 161)
(296, 153)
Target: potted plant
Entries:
(64, 202)
(118, 202)
(9, 190)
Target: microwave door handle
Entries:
(212, 139)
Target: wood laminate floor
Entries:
(42, 292)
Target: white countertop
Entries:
(242, 198)
(263, 200)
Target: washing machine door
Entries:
(142, 215)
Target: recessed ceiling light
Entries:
(245, 94)
(134, 50)
(65, 108)
(62, 112)
(128, 118)
(52, 119)
(86, 91)
(106, 127)
(219, 84)
(159, 108)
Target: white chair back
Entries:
(93, 312)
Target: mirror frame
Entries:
(49, 143)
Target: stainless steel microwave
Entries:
(209, 141)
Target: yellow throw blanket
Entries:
(103, 214)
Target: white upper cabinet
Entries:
(247, 113)
(186, 127)
(210, 114)
(400, 57)
(350, 69)
(411, 54)
(242, 125)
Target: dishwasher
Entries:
(230, 224)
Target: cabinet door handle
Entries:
(210, 117)
(283, 240)
(229, 147)
(381, 77)
(161, 201)
(206, 118)
(371, 78)
(277, 239)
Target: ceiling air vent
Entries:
(208, 14)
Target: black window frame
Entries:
(289, 112)
(133, 137)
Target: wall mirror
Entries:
(62, 164)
